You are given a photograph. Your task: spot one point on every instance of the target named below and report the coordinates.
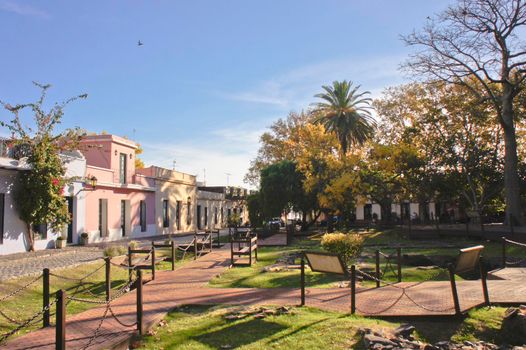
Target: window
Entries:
(122, 168)
(215, 216)
(178, 215)
(41, 229)
(206, 216)
(229, 212)
(166, 221)
(189, 212)
(2, 205)
(368, 212)
(142, 217)
(222, 216)
(103, 217)
(123, 217)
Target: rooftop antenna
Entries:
(173, 166)
(204, 176)
(227, 178)
(134, 130)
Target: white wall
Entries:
(14, 228)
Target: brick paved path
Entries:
(18, 265)
(187, 285)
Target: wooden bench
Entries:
(243, 244)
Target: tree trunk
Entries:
(511, 175)
(30, 238)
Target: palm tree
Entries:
(346, 113)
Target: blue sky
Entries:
(211, 75)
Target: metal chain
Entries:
(78, 279)
(4, 336)
(404, 292)
(119, 321)
(513, 263)
(10, 319)
(516, 243)
(385, 309)
(96, 333)
(16, 291)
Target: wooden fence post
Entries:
(353, 289)
(483, 277)
(512, 229)
(45, 297)
(153, 263)
(60, 328)
(139, 302)
(399, 263)
(503, 252)
(195, 246)
(129, 264)
(302, 281)
(173, 254)
(454, 289)
(377, 260)
(108, 278)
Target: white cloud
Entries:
(295, 89)
(220, 152)
(230, 149)
(22, 9)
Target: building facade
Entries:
(13, 230)
(122, 203)
(235, 201)
(211, 207)
(175, 199)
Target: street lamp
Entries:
(92, 181)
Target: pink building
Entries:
(122, 204)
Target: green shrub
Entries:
(346, 245)
(134, 244)
(115, 251)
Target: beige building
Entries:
(210, 210)
(234, 202)
(175, 199)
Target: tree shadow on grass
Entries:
(239, 334)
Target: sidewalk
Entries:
(32, 263)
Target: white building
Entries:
(367, 210)
(13, 239)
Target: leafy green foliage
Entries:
(346, 113)
(347, 245)
(281, 189)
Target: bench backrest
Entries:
(468, 259)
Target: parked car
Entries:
(275, 223)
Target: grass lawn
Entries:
(205, 327)
(27, 303)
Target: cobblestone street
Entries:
(24, 264)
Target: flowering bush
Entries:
(346, 245)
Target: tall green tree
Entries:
(455, 136)
(346, 113)
(480, 43)
(38, 193)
